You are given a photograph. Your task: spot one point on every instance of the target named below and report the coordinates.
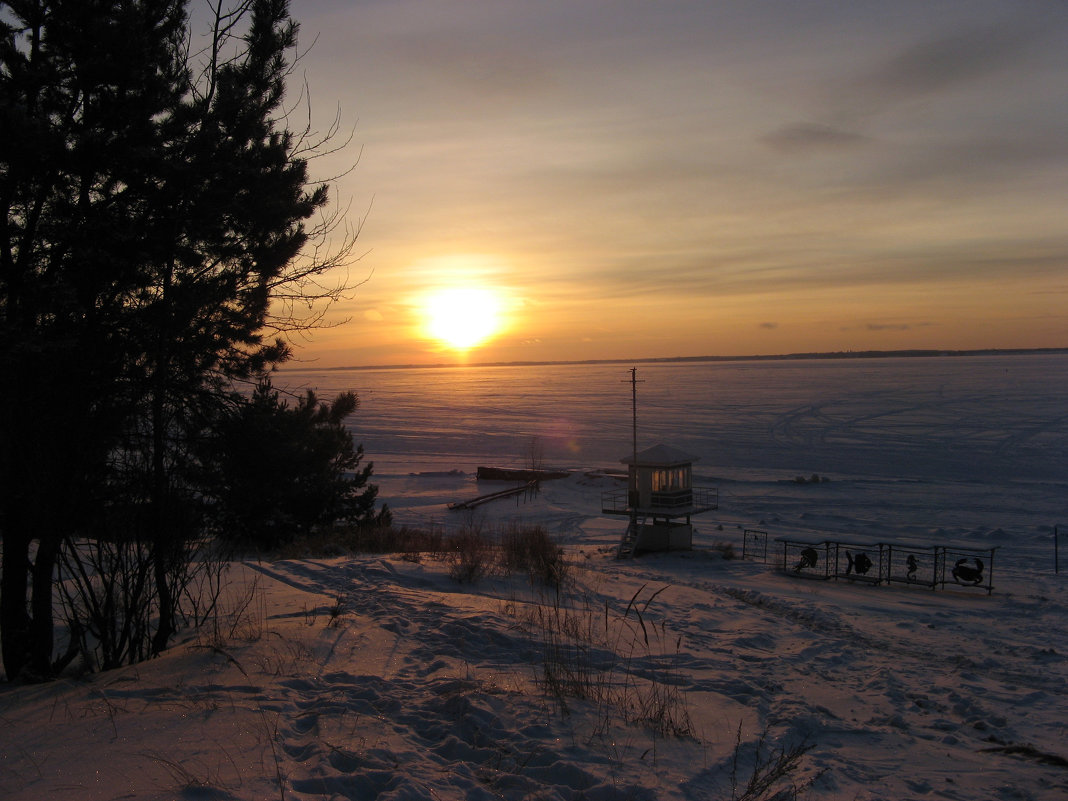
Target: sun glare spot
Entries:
(462, 318)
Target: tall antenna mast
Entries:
(632, 482)
(634, 410)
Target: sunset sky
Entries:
(649, 179)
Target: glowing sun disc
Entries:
(462, 318)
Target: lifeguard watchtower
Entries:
(660, 499)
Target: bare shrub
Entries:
(531, 550)
(574, 660)
(472, 553)
(654, 693)
(243, 616)
(285, 658)
(469, 555)
(409, 540)
(394, 539)
(194, 777)
(622, 663)
(343, 540)
(336, 611)
(110, 597)
(771, 772)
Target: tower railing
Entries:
(617, 502)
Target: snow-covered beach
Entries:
(357, 676)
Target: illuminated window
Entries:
(670, 479)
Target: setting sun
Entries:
(462, 318)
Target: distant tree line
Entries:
(158, 212)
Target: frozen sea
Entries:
(936, 417)
(958, 448)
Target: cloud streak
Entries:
(803, 137)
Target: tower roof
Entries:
(661, 456)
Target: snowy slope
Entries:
(380, 677)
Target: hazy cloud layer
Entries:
(969, 55)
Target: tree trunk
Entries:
(14, 618)
(42, 626)
(162, 542)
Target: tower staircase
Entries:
(630, 537)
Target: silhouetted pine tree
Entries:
(278, 471)
(154, 206)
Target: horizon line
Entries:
(822, 355)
